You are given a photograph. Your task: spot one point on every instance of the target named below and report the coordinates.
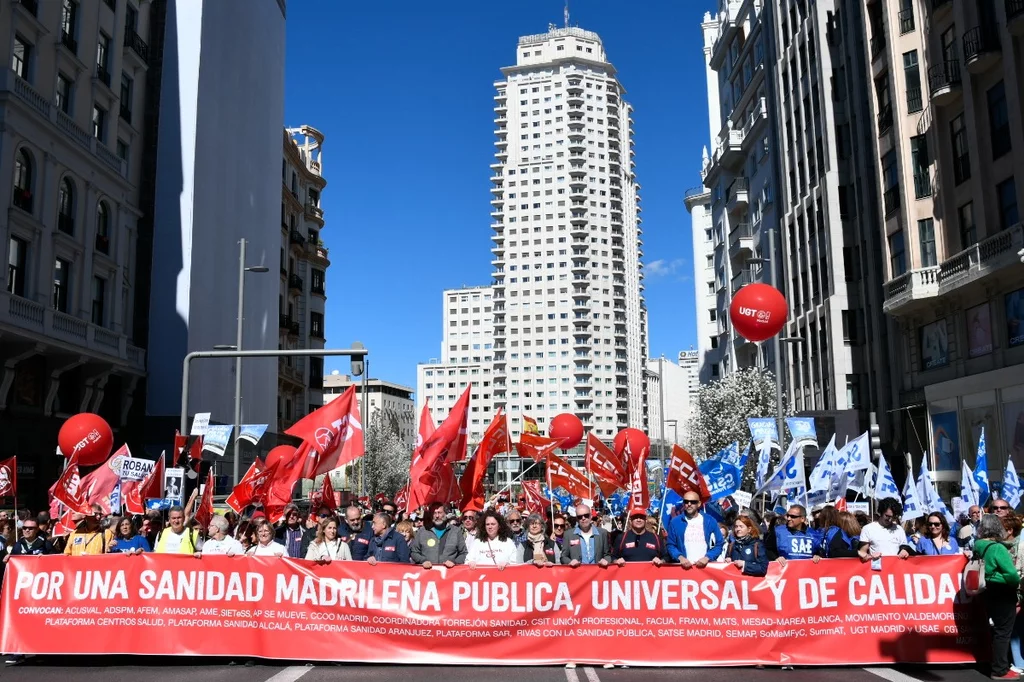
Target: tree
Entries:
(720, 416)
(387, 458)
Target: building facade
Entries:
(672, 398)
(947, 95)
(73, 102)
(216, 175)
(304, 265)
(707, 306)
(740, 174)
(466, 359)
(570, 322)
(385, 400)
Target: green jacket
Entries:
(999, 568)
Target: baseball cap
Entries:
(637, 511)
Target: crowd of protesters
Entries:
(504, 536)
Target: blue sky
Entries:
(403, 92)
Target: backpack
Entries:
(974, 574)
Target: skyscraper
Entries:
(570, 322)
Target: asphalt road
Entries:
(176, 669)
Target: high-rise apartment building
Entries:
(709, 310)
(741, 176)
(570, 322)
(74, 102)
(466, 359)
(304, 265)
(947, 94)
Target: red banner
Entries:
(838, 612)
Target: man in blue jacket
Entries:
(794, 540)
(387, 544)
(694, 538)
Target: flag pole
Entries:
(661, 514)
(513, 482)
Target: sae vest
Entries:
(799, 545)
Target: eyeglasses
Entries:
(794, 516)
(934, 525)
(685, 501)
(30, 528)
(559, 525)
(1002, 508)
(515, 520)
(469, 518)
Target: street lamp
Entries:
(242, 269)
(360, 367)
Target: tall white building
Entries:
(708, 308)
(670, 397)
(466, 358)
(570, 323)
(385, 399)
(689, 360)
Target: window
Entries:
(317, 281)
(17, 257)
(61, 279)
(127, 89)
(906, 16)
(23, 181)
(961, 156)
(69, 25)
(103, 59)
(66, 206)
(316, 325)
(64, 93)
(123, 151)
(968, 230)
(912, 75)
(926, 235)
(99, 297)
(891, 178)
(21, 58)
(897, 255)
(998, 120)
(1006, 193)
(99, 123)
(131, 17)
(102, 228)
(919, 162)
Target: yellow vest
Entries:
(188, 541)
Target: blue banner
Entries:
(252, 432)
(981, 469)
(764, 430)
(802, 430)
(721, 473)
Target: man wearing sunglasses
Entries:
(468, 522)
(30, 543)
(885, 537)
(794, 540)
(694, 539)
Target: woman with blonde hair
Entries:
(406, 530)
(327, 546)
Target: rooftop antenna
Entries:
(566, 13)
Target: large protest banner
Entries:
(836, 612)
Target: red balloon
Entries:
(569, 428)
(280, 454)
(88, 436)
(639, 444)
(758, 311)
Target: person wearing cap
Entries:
(794, 540)
(637, 543)
(440, 544)
(694, 538)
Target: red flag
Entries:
(437, 450)
(150, 488)
(536, 447)
(179, 447)
(9, 477)
(334, 431)
(684, 476)
(640, 494)
(327, 498)
(288, 473)
(402, 498)
(535, 501)
(252, 489)
(561, 474)
(605, 465)
(841, 504)
(68, 489)
(255, 469)
(196, 450)
(65, 524)
(204, 512)
(494, 441)
(102, 485)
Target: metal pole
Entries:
(236, 464)
(661, 408)
(362, 460)
(270, 353)
(773, 260)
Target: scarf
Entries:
(538, 546)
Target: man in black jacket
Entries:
(439, 543)
(638, 544)
(356, 532)
(30, 542)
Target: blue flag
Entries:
(1011, 485)
(981, 469)
(721, 472)
(802, 430)
(885, 484)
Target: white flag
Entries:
(913, 507)
(789, 475)
(885, 484)
(1011, 485)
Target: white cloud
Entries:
(663, 267)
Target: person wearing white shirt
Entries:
(219, 542)
(494, 545)
(885, 537)
(328, 546)
(265, 545)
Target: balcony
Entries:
(877, 45)
(317, 288)
(981, 48)
(103, 75)
(295, 283)
(885, 120)
(739, 196)
(295, 238)
(906, 21)
(944, 82)
(1015, 16)
(909, 287)
(31, 6)
(741, 240)
(22, 199)
(742, 279)
(315, 213)
(317, 332)
(136, 46)
(68, 41)
(729, 149)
